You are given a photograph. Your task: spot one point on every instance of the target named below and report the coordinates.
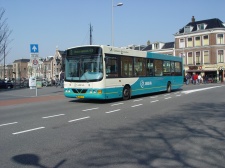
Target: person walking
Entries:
(199, 78)
(61, 78)
(188, 77)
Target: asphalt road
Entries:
(182, 129)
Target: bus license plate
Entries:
(81, 97)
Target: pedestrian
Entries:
(188, 77)
(57, 82)
(199, 78)
(61, 78)
(196, 78)
(206, 79)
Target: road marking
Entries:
(154, 101)
(197, 90)
(113, 111)
(116, 104)
(153, 97)
(178, 95)
(90, 109)
(28, 130)
(168, 97)
(138, 100)
(166, 94)
(137, 105)
(79, 119)
(8, 124)
(53, 116)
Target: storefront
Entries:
(214, 73)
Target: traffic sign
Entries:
(34, 60)
(34, 48)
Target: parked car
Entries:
(6, 84)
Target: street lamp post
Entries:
(112, 38)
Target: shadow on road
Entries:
(32, 160)
(188, 139)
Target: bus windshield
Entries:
(84, 68)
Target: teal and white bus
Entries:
(106, 72)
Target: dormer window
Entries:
(201, 26)
(188, 29)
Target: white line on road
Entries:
(28, 130)
(8, 124)
(153, 97)
(166, 94)
(168, 97)
(116, 104)
(79, 119)
(138, 100)
(90, 109)
(113, 111)
(197, 90)
(53, 116)
(178, 95)
(154, 101)
(137, 105)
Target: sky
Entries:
(66, 23)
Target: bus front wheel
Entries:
(126, 93)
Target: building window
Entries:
(206, 57)
(181, 43)
(201, 26)
(220, 39)
(190, 58)
(188, 29)
(198, 58)
(206, 40)
(156, 46)
(197, 41)
(220, 56)
(190, 42)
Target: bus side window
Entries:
(111, 67)
(150, 67)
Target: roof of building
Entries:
(165, 46)
(210, 23)
(149, 47)
(22, 60)
(168, 45)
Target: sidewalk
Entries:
(27, 95)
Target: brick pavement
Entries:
(31, 100)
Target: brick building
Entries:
(202, 46)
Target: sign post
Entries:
(34, 61)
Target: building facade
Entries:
(20, 69)
(202, 46)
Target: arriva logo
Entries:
(143, 83)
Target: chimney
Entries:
(193, 19)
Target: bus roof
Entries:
(131, 52)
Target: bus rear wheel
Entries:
(126, 93)
(168, 90)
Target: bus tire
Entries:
(126, 93)
(168, 89)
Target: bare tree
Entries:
(5, 32)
